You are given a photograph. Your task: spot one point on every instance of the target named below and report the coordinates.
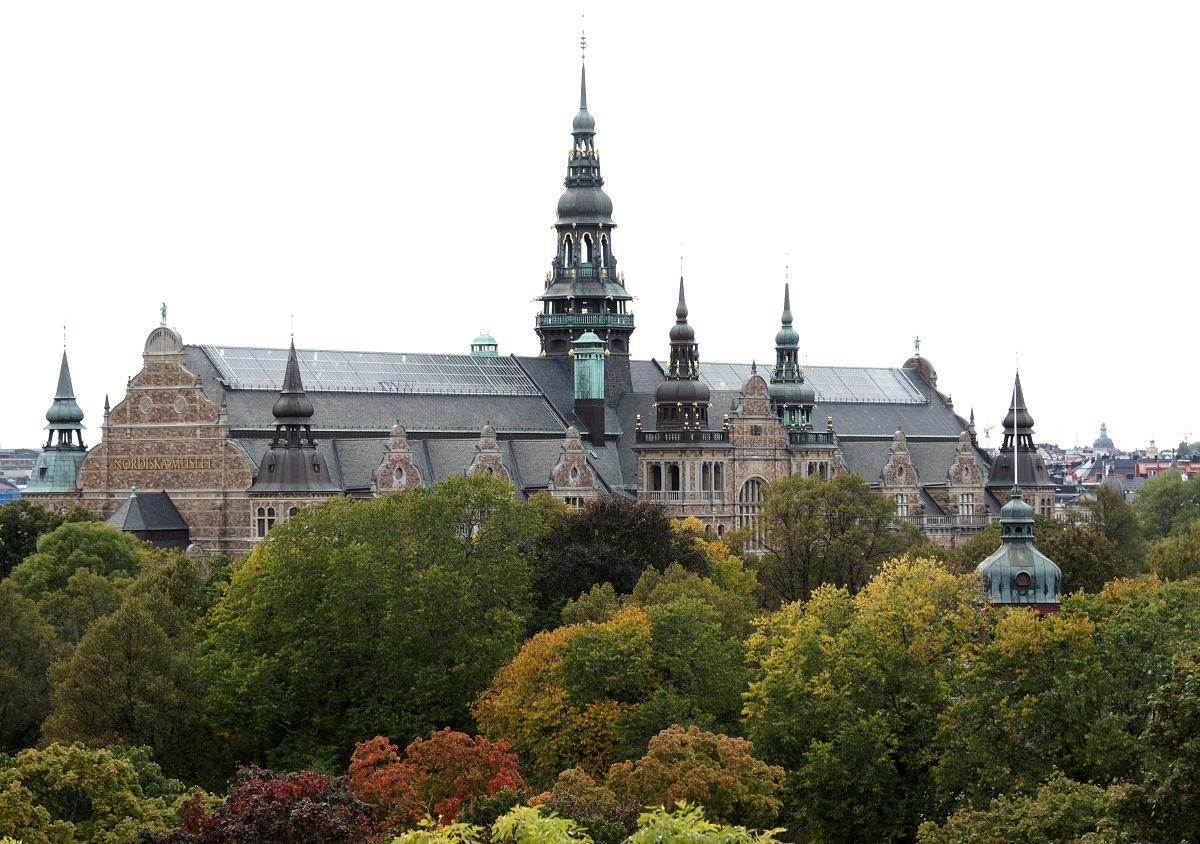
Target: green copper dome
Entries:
(1018, 574)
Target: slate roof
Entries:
(530, 402)
(146, 511)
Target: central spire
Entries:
(583, 290)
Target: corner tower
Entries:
(583, 290)
(57, 467)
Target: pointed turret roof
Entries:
(65, 412)
(584, 123)
(682, 332)
(787, 337)
(293, 406)
(1018, 413)
(1018, 460)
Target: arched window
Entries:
(675, 478)
(586, 246)
(262, 521)
(270, 517)
(750, 500)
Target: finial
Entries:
(917, 346)
(64, 335)
(583, 39)
(163, 310)
(133, 491)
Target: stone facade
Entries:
(168, 435)
(397, 470)
(572, 479)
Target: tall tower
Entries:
(791, 399)
(583, 290)
(1018, 461)
(57, 467)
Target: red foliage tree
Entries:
(437, 778)
(292, 808)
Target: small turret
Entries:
(792, 399)
(1018, 574)
(57, 467)
(292, 462)
(682, 401)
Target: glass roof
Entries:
(831, 383)
(243, 368)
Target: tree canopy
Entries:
(814, 531)
(383, 617)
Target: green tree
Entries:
(1108, 513)
(848, 695)
(816, 531)
(1061, 812)
(608, 540)
(591, 694)
(733, 607)
(1165, 807)
(682, 824)
(718, 772)
(66, 794)
(133, 680)
(27, 647)
(1177, 557)
(22, 523)
(383, 617)
(1167, 504)
(1068, 692)
(72, 546)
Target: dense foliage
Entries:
(611, 656)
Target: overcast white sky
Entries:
(1000, 179)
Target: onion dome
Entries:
(682, 400)
(787, 336)
(585, 204)
(682, 332)
(293, 405)
(791, 396)
(682, 391)
(1018, 415)
(65, 412)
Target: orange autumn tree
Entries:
(437, 778)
